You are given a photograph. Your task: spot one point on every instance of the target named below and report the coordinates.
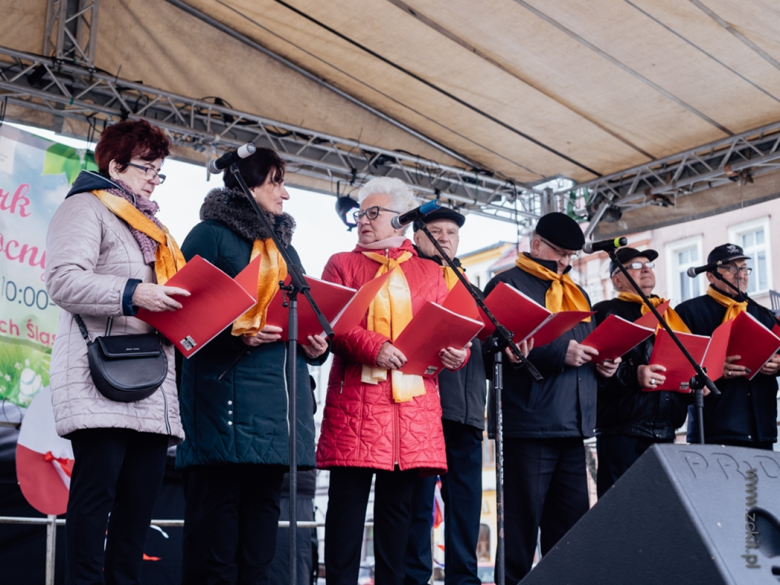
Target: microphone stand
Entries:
(504, 340)
(297, 285)
(744, 295)
(700, 379)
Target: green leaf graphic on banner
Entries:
(24, 368)
(89, 161)
(65, 159)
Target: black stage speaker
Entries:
(682, 514)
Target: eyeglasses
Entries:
(731, 269)
(371, 213)
(563, 254)
(147, 170)
(640, 265)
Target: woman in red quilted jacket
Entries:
(378, 420)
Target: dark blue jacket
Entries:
(234, 397)
(564, 403)
(623, 407)
(745, 410)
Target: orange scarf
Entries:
(670, 316)
(733, 308)
(449, 277)
(563, 294)
(168, 259)
(389, 314)
(272, 270)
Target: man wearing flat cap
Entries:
(463, 414)
(545, 482)
(631, 417)
(745, 413)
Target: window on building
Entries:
(753, 237)
(680, 256)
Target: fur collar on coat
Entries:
(231, 208)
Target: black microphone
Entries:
(604, 245)
(218, 165)
(694, 272)
(400, 221)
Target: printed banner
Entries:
(35, 175)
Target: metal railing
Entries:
(52, 522)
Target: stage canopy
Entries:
(659, 110)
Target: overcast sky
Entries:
(320, 232)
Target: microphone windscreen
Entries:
(692, 272)
(213, 168)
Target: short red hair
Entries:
(125, 140)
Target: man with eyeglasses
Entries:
(745, 413)
(630, 418)
(545, 479)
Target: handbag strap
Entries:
(83, 328)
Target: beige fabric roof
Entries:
(528, 88)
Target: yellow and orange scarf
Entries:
(168, 259)
(670, 316)
(272, 270)
(389, 314)
(563, 294)
(733, 308)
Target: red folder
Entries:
(649, 319)
(616, 336)
(352, 313)
(332, 299)
(460, 301)
(432, 329)
(526, 318)
(215, 301)
(709, 352)
(753, 342)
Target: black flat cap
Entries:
(625, 255)
(441, 213)
(561, 230)
(726, 253)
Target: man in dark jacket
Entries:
(545, 482)
(745, 413)
(463, 419)
(631, 417)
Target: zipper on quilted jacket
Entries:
(165, 405)
(396, 433)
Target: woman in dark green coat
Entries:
(234, 394)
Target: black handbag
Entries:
(125, 368)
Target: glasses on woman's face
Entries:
(562, 254)
(640, 265)
(733, 269)
(149, 172)
(371, 213)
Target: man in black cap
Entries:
(545, 482)
(745, 413)
(630, 419)
(463, 414)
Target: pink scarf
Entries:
(149, 208)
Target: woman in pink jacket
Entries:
(377, 420)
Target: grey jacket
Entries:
(91, 256)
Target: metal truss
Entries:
(85, 94)
(660, 182)
(71, 30)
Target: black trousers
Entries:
(117, 472)
(461, 492)
(616, 454)
(231, 518)
(347, 499)
(545, 487)
(306, 543)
